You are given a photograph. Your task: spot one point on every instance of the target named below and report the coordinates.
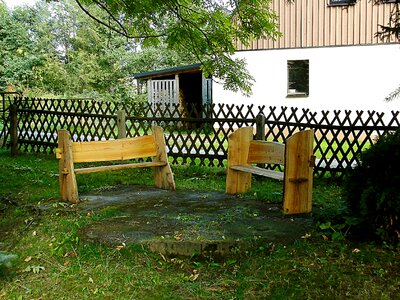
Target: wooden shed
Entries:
(184, 85)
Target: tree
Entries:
(388, 32)
(209, 29)
(16, 60)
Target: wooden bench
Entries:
(69, 153)
(296, 155)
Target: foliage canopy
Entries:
(208, 29)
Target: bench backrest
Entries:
(261, 152)
(121, 149)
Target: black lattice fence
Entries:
(199, 135)
(40, 119)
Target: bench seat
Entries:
(259, 171)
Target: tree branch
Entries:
(123, 32)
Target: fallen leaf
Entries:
(28, 258)
(176, 261)
(215, 289)
(194, 277)
(66, 264)
(325, 237)
(163, 257)
(178, 236)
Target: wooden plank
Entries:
(321, 23)
(356, 25)
(259, 171)
(303, 16)
(238, 151)
(121, 149)
(292, 25)
(68, 185)
(344, 26)
(262, 152)
(119, 167)
(310, 22)
(327, 26)
(369, 21)
(299, 173)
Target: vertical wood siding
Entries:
(312, 23)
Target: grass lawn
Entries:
(53, 263)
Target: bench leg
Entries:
(68, 186)
(163, 176)
(237, 182)
(299, 163)
(238, 151)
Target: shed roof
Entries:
(169, 71)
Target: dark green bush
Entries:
(373, 190)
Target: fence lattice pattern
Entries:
(199, 134)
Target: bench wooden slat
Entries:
(266, 152)
(122, 149)
(119, 167)
(259, 171)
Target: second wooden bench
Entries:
(296, 155)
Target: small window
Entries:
(298, 78)
(341, 2)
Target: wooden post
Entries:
(260, 132)
(260, 127)
(238, 151)
(163, 176)
(121, 124)
(14, 129)
(299, 163)
(68, 186)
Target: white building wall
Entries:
(354, 77)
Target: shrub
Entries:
(372, 189)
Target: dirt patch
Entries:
(190, 222)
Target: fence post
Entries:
(14, 129)
(121, 124)
(260, 127)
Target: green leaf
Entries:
(337, 236)
(325, 226)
